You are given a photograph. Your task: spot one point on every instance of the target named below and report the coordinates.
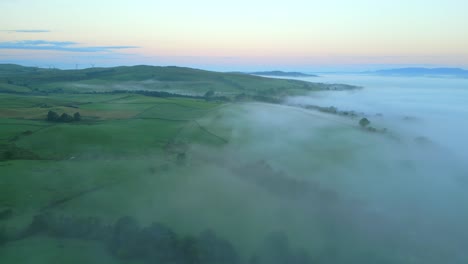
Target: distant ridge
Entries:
(283, 74)
(436, 72)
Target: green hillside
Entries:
(177, 80)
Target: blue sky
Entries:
(236, 35)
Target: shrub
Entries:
(364, 122)
(210, 93)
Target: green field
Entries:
(192, 163)
(122, 159)
(122, 145)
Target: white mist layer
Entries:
(432, 107)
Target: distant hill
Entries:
(173, 80)
(436, 72)
(283, 74)
(8, 69)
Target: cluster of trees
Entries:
(365, 123)
(63, 118)
(158, 243)
(127, 240)
(331, 110)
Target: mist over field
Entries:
(233, 132)
(400, 194)
(413, 106)
(343, 193)
(252, 170)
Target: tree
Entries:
(66, 118)
(77, 116)
(364, 122)
(52, 116)
(210, 93)
(181, 159)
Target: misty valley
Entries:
(173, 165)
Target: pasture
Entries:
(190, 162)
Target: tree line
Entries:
(127, 240)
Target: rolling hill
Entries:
(174, 80)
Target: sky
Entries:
(303, 35)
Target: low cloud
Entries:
(67, 46)
(27, 31)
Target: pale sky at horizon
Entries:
(294, 34)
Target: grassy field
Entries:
(179, 160)
(122, 144)
(122, 158)
(111, 125)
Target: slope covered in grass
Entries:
(177, 80)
